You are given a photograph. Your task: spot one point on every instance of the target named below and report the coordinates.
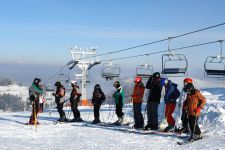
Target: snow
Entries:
(15, 135)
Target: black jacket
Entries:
(155, 91)
(98, 97)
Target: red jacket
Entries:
(138, 93)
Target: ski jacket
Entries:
(98, 97)
(138, 93)
(193, 101)
(119, 96)
(60, 94)
(154, 91)
(75, 94)
(172, 93)
(34, 92)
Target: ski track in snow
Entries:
(15, 135)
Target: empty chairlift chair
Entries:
(144, 71)
(215, 65)
(110, 71)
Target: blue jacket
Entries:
(172, 93)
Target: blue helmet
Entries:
(163, 81)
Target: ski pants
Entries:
(138, 117)
(74, 108)
(184, 119)
(193, 124)
(119, 110)
(35, 108)
(60, 110)
(170, 107)
(96, 110)
(152, 113)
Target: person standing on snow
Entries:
(74, 100)
(97, 99)
(119, 101)
(59, 100)
(136, 98)
(170, 97)
(35, 92)
(193, 104)
(153, 101)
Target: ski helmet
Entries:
(137, 79)
(37, 80)
(97, 87)
(156, 75)
(58, 83)
(188, 80)
(188, 88)
(73, 83)
(163, 81)
(116, 84)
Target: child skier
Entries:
(59, 99)
(171, 95)
(35, 92)
(97, 99)
(193, 104)
(153, 101)
(119, 101)
(136, 98)
(74, 100)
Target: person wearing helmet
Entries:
(184, 116)
(97, 99)
(74, 100)
(136, 98)
(170, 97)
(59, 100)
(193, 104)
(154, 97)
(119, 101)
(35, 92)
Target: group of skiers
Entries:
(191, 108)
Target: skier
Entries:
(34, 95)
(170, 97)
(59, 99)
(136, 98)
(193, 104)
(119, 101)
(74, 100)
(184, 117)
(97, 99)
(153, 85)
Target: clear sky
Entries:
(40, 31)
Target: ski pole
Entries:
(35, 116)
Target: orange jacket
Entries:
(138, 93)
(193, 101)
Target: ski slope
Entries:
(15, 135)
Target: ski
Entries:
(186, 141)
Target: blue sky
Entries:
(41, 31)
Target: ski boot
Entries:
(96, 121)
(169, 128)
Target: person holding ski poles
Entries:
(74, 100)
(170, 97)
(154, 97)
(136, 98)
(97, 99)
(35, 92)
(59, 100)
(119, 101)
(193, 104)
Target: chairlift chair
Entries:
(215, 65)
(110, 71)
(174, 64)
(144, 71)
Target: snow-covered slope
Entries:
(15, 135)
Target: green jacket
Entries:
(119, 96)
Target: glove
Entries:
(32, 98)
(53, 94)
(198, 110)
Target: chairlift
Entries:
(215, 65)
(174, 64)
(144, 71)
(110, 71)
